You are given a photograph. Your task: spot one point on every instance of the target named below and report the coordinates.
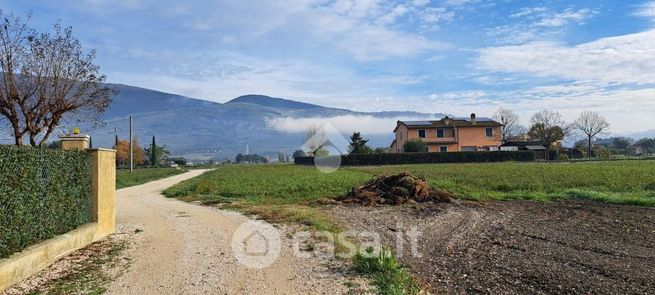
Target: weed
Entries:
(388, 276)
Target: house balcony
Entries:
(439, 140)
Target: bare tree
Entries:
(591, 124)
(548, 127)
(511, 127)
(46, 79)
(316, 138)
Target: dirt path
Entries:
(183, 248)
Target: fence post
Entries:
(104, 190)
(74, 142)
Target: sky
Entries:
(448, 56)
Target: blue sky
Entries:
(451, 56)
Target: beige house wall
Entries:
(475, 136)
(454, 138)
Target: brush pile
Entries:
(394, 190)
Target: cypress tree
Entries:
(153, 152)
(116, 141)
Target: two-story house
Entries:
(450, 134)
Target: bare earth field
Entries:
(520, 247)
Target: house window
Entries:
(443, 149)
(421, 133)
(440, 133)
(489, 132)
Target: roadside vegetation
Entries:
(125, 178)
(386, 273)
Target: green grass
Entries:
(387, 275)
(140, 176)
(619, 182)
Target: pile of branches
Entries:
(394, 190)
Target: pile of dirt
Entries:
(394, 190)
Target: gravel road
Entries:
(182, 248)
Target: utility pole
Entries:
(131, 151)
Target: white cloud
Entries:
(565, 17)
(538, 23)
(622, 59)
(627, 110)
(646, 10)
(461, 2)
(528, 11)
(345, 124)
(432, 16)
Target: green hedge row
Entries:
(43, 193)
(420, 158)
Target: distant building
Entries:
(450, 134)
(525, 145)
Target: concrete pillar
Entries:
(104, 190)
(74, 142)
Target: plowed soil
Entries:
(520, 247)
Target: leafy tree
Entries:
(46, 77)
(548, 127)
(156, 155)
(251, 158)
(591, 124)
(621, 143)
(358, 144)
(123, 153)
(415, 146)
(581, 145)
(299, 153)
(647, 144)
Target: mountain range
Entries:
(201, 129)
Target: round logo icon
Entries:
(256, 244)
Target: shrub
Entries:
(43, 193)
(420, 158)
(415, 146)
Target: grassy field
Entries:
(140, 176)
(288, 192)
(623, 182)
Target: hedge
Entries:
(420, 158)
(43, 193)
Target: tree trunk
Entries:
(18, 136)
(589, 146)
